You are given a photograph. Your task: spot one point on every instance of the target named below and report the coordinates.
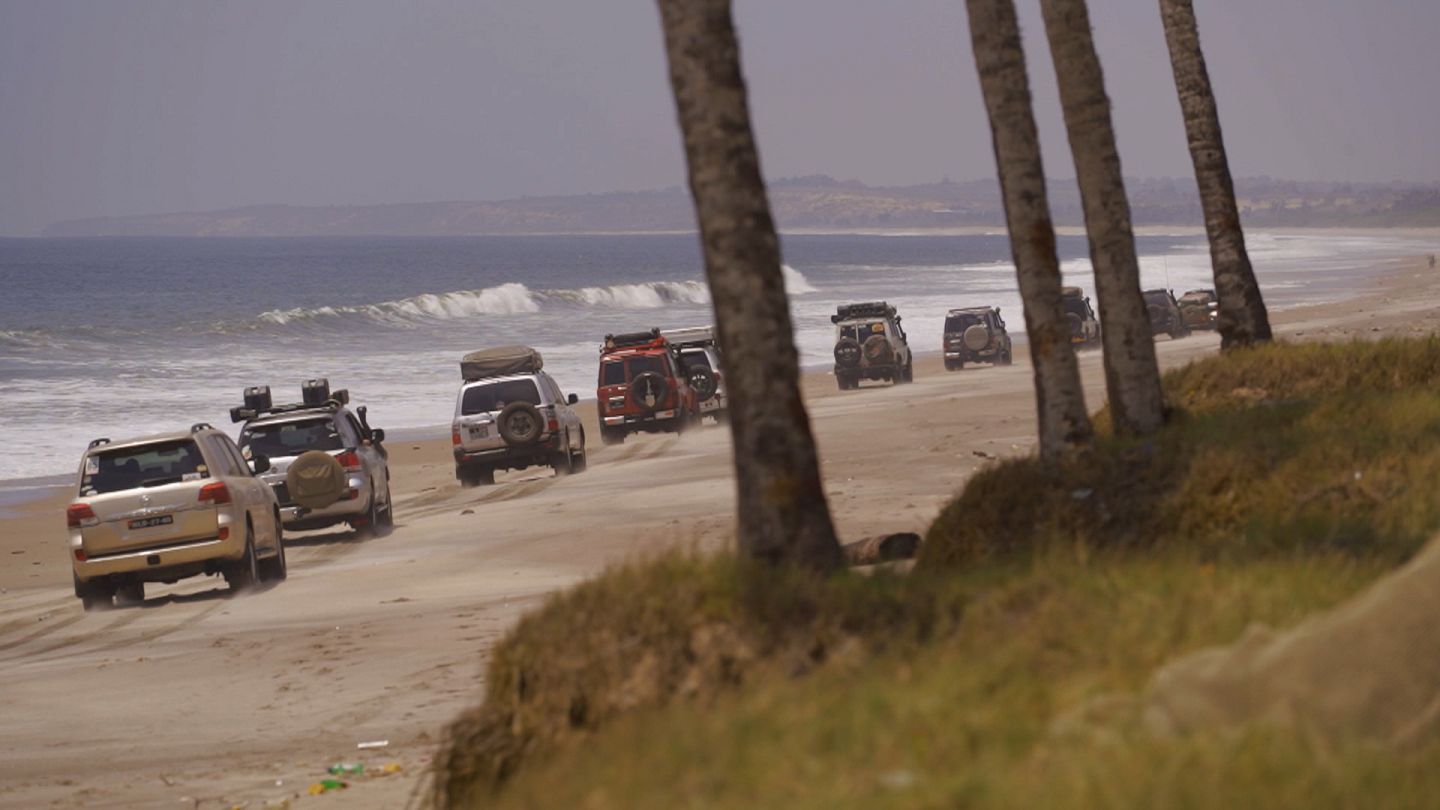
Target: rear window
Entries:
(495, 396)
(149, 465)
(862, 331)
(959, 323)
(693, 360)
(651, 363)
(290, 438)
(612, 372)
(1076, 306)
(1159, 299)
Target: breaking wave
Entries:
(517, 299)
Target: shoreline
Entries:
(387, 638)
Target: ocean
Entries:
(124, 337)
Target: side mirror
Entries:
(573, 399)
(260, 464)
(377, 435)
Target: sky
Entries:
(114, 107)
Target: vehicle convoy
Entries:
(1080, 318)
(511, 415)
(870, 345)
(168, 507)
(1200, 309)
(700, 363)
(976, 335)
(644, 387)
(1165, 317)
(327, 465)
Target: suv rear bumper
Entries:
(296, 517)
(510, 457)
(183, 559)
(638, 421)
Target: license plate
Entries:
(481, 432)
(158, 520)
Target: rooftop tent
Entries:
(499, 362)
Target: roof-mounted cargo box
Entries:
(689, 336)
(499, 362)
(869, 309)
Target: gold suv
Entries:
(163, 508)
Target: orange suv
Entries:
(642, 388)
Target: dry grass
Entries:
(1274, 450)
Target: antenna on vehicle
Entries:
(1166, 260)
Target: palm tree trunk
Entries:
(1000, 60)
(1242, 318)
(1132, 376)
(783, 515)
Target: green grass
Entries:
(1274, 450)
(691, 681)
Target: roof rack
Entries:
(334, 403)
(94, 443)
(868, 309)
(691, 336)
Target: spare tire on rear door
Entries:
(977, 337)
(847, 352)
(648, 390)
(521, 423)
(877, 350)
(703, 383)
(315, 480)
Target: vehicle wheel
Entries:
(908, 375)
(563, 462)
(275, 569)
(582, 459)
(1009, 357)
(609, 436)
(475, 476)
(387, 522)
(242, 574)
(370, 527)
(130, 593)
(94, 596)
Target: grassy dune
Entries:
(1289, 478)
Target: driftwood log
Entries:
(882, 548)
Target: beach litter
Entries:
(373, 744)
(347, 768)
(327, 785)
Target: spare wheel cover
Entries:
(315, 480)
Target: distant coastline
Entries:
(801, 205)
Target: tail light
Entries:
(349, 459)
(455, 437)
(215, 492)
(80, 555)
(79, 514)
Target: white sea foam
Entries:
(515, 299)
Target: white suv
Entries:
(870, 345)
(700, 362)
(163, 508)
(511, 421)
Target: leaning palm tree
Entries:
(1000, 60)
(1132, 376)
(783, 515)
(1243, 320)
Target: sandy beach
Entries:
(197, 699)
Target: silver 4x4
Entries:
(304, 433)
(511, 415)
(870, 345)
(976, 335)
(700, 362)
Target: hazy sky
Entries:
(144, 106)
